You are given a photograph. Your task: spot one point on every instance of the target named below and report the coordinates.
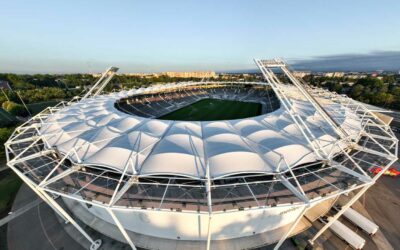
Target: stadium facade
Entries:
(230, 184)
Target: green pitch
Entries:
(213, 109)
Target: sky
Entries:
(47, 36)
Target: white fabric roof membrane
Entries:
(104, 136)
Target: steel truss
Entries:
(101, 83)
(375, 139)
(341, 167)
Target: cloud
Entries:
(377, 60)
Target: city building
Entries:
(334, 74)
(301, 74)
(143, 75)
(198, 74)
(356, 75)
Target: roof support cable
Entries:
(101, 83)
(251, 191)
(313, 101)
(165, 192)
(209, 204)
(287, 104)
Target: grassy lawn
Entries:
(6, 118)
(213, 109)
(9, 185)
(35, 108)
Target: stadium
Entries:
(201, 165)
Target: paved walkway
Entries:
(379, 238)
(37, 228)
(381, 204)
(40, 228)
(19, 211)
(2, 168)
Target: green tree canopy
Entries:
(14, 108)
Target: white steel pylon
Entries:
(102, 82)
(369, 121)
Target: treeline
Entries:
(36, 95)
(45, 80)
(40, 88)
(37, 88)
(376, 92)
(72, 81)
(5, 133)
(14, 108)
(30, 89)
(81, 81)
(383, 92)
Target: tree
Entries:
(14, 108)
(356, 91)
(5, 133)
(389, 79)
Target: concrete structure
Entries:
(301, 74)
(356, 75)
(201, 184)
(200, 74)
(334, 74)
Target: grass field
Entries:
(213, 109)
(6, 118)
(35, 108)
